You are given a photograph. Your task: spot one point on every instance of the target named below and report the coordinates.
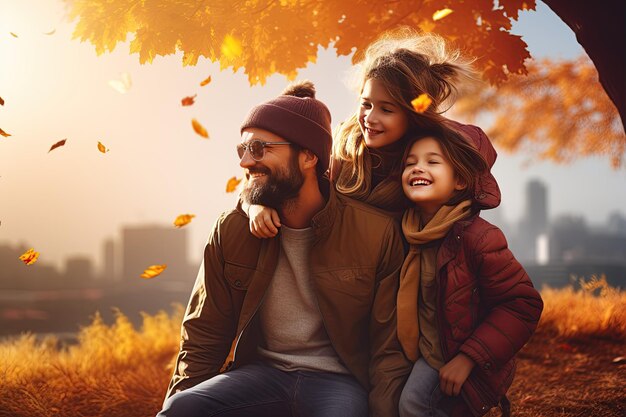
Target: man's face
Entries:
(277, 177)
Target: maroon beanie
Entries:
(297, 117)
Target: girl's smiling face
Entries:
(382, 120)
(428, 179)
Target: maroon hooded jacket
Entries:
(487, 304)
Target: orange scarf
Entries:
(437, 227)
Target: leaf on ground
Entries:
(102, 148)
(206, 81)
(188, 101)
(232, 184)
(619, 359)
(440, 14)
(421, 103)
(29, 257)
(123, 84)
(5, 134)
(57, 145)
(183, 220)
(199, 129)
(153, 271)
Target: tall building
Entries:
(110, 271)
(534, 222)
(147, 245)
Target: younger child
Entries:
(465, 305)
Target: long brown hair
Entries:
(408, 64)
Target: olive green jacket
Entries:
(355, 263)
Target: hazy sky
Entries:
(68, 201)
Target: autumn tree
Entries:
(559, 100)
(280, 36)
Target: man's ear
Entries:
(308, 159)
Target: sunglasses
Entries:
(256, 148)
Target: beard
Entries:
(279, 188)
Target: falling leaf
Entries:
(2, 100)
(205, 82)
(5, 134)
(232, 184)
(200, 130)
(183, 220)
(102, 148)
(421, 103)
(440, 14)
(13, 34)
(231, 48)
(58, 144)
(188, 101)
(123, 84)
(51, 32)
(153, 271)
(29, 257)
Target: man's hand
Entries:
(264, 221)
(454, 373)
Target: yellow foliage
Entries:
(267, 36)
(558, 112)
(113, 369)
(594, 310)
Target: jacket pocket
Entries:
(238, 276)
(347, 284)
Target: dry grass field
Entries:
(571, 367)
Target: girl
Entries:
(395, 69)
(465, 305)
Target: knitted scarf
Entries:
(437, 227)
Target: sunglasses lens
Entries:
(256, 150)
(241, 150)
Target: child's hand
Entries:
(454, 373)
(264, 221)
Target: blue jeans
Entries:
(421, 396)
(263, 391)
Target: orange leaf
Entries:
(58, 144)
(421, 103)
(188, 101)
(232, 184)
(102, 148)
(5, 134)
(199, 129)
(205, 82)
(153, 271)
(29, 257)
(2, 101)
(440, 14)
(231, 48)
(183, 220)
(13, 34)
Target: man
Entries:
(303, 324)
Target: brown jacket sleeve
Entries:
(209, 324)
(389, 368)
